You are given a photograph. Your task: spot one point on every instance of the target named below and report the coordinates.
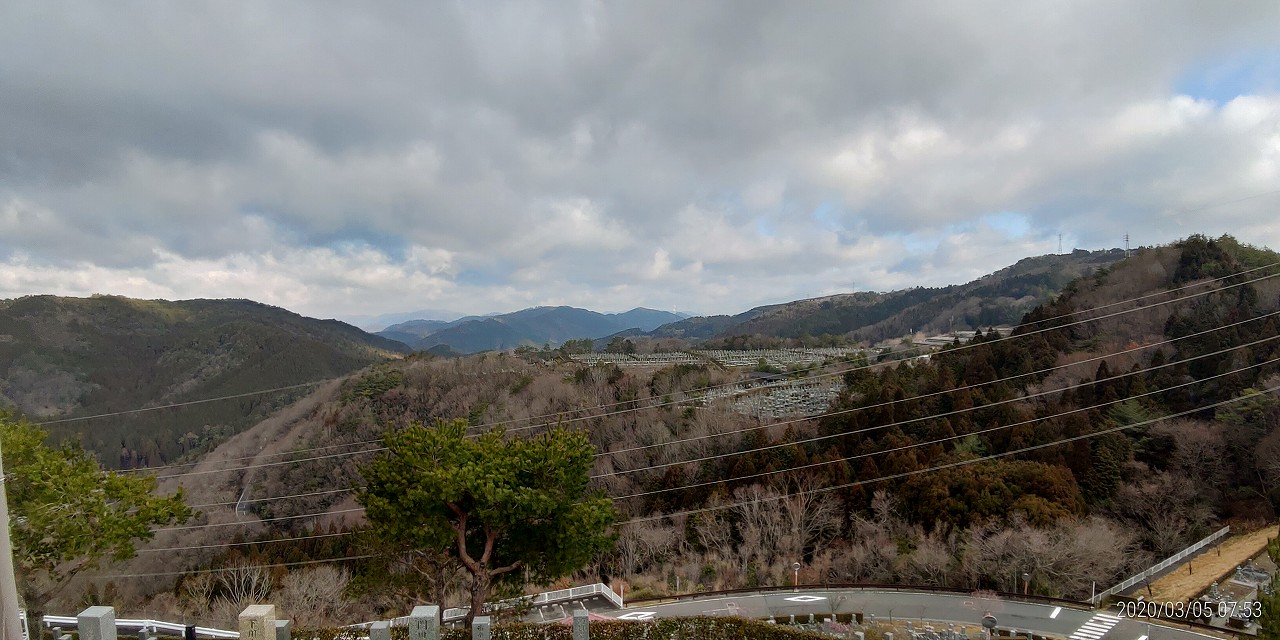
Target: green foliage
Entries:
(1129, 412)
(1255, 411)
(67, 514)
(506, 508)
(975, 494)
(620, 344)
(970, 447)
(521, 383)
(576, 346)
(1203, 258)
(378, 383)
(1108, 453)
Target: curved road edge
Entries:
(1058, 619)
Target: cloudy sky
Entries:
(343, 160)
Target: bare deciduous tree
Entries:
(810, 518)
(1166, 508)
(931, 562)
(1200, 451)
(1063, 560)
(640, 545)
(314, 596)
(759, 526)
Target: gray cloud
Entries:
(708, 156)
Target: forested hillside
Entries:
(1129, 416)
(62, 358)
(999, 298)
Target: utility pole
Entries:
(1126, 245)
(10, 626)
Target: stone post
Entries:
(258, 622)
(282, 630)
(581, 625)
(481, 628)
(424, 623)
(380, 630)
(97, 623)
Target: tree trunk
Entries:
(480, 585)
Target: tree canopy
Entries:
(67, 513)
(505, 508)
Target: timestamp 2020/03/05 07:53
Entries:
(1192, 609)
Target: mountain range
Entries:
(1000, 298)
(538, 325)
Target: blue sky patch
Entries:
(1012, 223)
(1224, 79)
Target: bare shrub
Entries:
(314, 596)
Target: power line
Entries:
(857, 431)
(920, 419)
(270, 464)
(259, 521)
(726, 433)
(777, 498)
(112, 576)
(1074, 364)
(248, 543)
(939, 393)
(270, 498)
(825, 375)
(939, 440)
(951, 465)
(183, 404)
(973, 345)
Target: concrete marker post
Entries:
(581, 625)
(282, 629)
(258, 622)
(481, 628)
(97, 623)
(380, 630)
(424, 623)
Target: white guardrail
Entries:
(154, 626)
(549, 597)
(1163, 564)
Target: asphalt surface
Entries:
(938, 609)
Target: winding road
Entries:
(964, 610)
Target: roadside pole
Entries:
(10, 626)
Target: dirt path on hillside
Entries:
(1179, 586)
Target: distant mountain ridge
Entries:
(995, 299)
(382, 321)
(536, 325)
